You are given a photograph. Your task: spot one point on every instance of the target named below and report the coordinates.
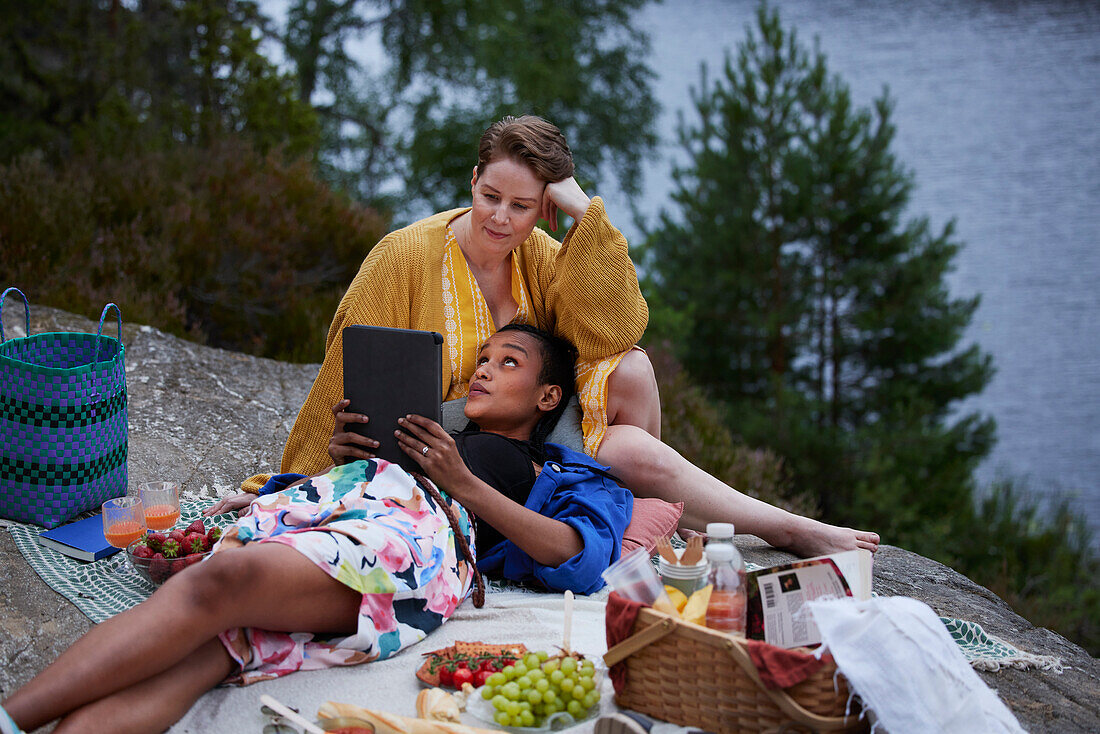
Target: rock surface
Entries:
(210, 418)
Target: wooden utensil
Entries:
(694, 551)
(567, 632)
(282, 710)
(665, 549)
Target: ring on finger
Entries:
(424, 450)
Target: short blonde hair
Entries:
(530, 140)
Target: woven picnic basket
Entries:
(63, 421)
(693, 676)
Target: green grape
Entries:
(566, 685)
(568, 665)
(487, 692)
(520, 669)
(555, 707)
(525, 705)
(575, 709)
(542, 655)
(542, 685)
(513, 708)
(499, 702)
(502, 718)
(510, 691)
(533, 696)
(510, 672)
(588, 683)
(524, 682)
(496, 679)
(548, 697)
(578, 692)
(550, 666)
(587, 672)
(535, 674)
(531, 660)
(556, 677)
(526, 719)
(591, 699)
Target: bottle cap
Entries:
(720, 553)
(720, 530)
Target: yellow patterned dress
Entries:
(584, 289)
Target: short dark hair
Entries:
(530, 140)
(559, 361)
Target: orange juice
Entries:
(726, 610)
(161, 517)
(121, 534)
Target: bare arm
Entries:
(547, 541)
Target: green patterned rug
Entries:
(100, 593)
(95, 588)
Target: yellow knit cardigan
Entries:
(584, 289)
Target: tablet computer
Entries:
(389, 373)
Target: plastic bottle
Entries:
(720, 532)
(728, 597)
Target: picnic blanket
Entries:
(510, 615)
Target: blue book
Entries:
(82, 539)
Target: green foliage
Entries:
(820, 319)
(457, 65)
(1040, 560)
(107, 76)
(219, 244)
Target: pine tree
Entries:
(809, 304)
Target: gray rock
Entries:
(210, 418)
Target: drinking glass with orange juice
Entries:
(162, 504)
(123, 523)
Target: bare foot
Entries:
(808, 537)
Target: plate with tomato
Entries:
(467, 662)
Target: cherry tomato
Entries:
(462, 676)
(481, 676)
(489, 664)
(446, 676)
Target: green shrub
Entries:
(218, 244)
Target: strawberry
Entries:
(196, 527)
(177, 565)
(171, 548)
(213, 536)
(194, 543)
(158, 568)
(177, 535)
(142, 551)
(193, 559)
(155, 541)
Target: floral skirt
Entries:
(370, 526)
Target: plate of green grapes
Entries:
(541, 692)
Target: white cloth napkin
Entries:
(899, 658)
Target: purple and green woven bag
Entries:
(63, 430)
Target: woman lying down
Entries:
(362, 558)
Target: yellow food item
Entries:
(695, 611)
(664, 606)
(677, 597)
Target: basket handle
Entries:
(636, 642)
(782, 699)
(26, 311)
(102, 317)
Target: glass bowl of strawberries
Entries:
(158, 556)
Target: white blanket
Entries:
(536, 620)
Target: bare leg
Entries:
(157, 703)
(632, 395)
(650, 468)
(267, 585)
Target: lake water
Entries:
(998, 116)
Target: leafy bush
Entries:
(219, 244)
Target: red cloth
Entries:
(780, 668)
(777, 667)
(619, 620)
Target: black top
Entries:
(505, 464)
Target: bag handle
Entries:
(102, 317)
(26, 311)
